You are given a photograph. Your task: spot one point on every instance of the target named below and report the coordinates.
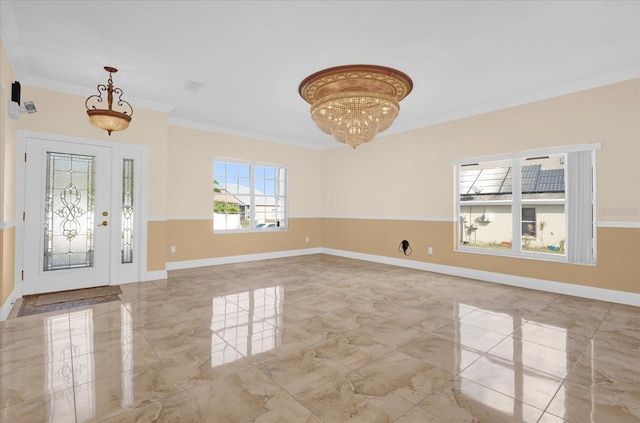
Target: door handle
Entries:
(104, 223)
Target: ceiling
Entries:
(465, 57)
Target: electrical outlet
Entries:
(173, 249)
(306, 239)
(430, 250)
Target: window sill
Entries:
(526, 256)
(248, 231)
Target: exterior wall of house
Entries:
(357, 185)
(266, 213)
(498, 229)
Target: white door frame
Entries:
(119, 273)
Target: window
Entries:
(249, 196)
(537, 205)
(485, 204)
(529, 222)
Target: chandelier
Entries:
(109, 119)
(355, 102)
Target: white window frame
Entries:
(284, 224)
(517, 203)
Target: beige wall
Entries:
(618, 251)
(190, 182)
(190, 193)
(157, 245)
(65, 114)
(7, 183)
(419, 183)
(194, 239)
(7, 262)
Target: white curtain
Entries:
(579, 202)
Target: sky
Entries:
(235, 178)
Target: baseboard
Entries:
(154, 276)
(214, 261)
(602, 294)
(189, 264)
(8, 305)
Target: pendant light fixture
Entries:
(110, 119)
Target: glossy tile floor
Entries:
(323, 339)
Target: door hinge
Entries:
(22, 275)
(24, 215)
(25, 157)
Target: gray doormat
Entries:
(36, 304)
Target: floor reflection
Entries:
(72, 338)
(126, 339)
(526, 370)
(247, 322)
(59, 367)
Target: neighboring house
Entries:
(225, 196)
(485, 219)
(264, 208)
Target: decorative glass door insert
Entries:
(126, 242)
(69, 211)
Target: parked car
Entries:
(266, 225)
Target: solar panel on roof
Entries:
(551, 180)
(529, 177)
(506, 187)
(499, 180)
(467, 178)
(489, 181)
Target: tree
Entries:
(542, 225)
(221, 206)
(225, 208)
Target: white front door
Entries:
(68, 216)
